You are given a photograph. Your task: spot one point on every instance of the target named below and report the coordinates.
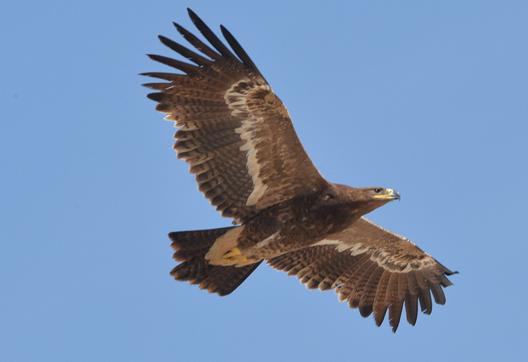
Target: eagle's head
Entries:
(366, 199)
(380, 194)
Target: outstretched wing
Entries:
(234, 132)
(373, 269)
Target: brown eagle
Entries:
(239, 141)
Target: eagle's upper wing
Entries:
(234, 132)
(373, 269)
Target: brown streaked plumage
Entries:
(238, 139)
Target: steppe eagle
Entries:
(238, 139)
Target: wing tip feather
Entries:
(157, 96)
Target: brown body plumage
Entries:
(239, 141)
(299, 223)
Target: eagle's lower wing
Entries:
(234, 132)
(373, 269)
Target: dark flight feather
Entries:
(187, 53)
(239, 51)
(184, 67)
(197, 43)
(209, 35)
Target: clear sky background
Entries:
(427, 97)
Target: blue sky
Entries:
(427, 97)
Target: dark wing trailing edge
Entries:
(234, 132)
(373, 269)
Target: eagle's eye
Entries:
(378, 190)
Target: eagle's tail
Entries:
(190, 248)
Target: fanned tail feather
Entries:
(190, 248)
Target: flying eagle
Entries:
(239, 141)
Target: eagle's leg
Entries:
(226, 251)
(190, 249)
(235, 257)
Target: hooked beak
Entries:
(388, 195)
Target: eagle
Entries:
(239, 141)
